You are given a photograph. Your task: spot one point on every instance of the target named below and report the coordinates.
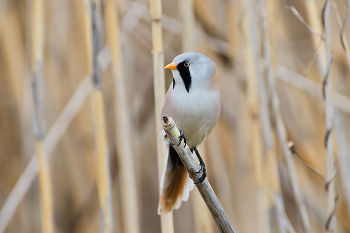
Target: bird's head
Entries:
(194, 70)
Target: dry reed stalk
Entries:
(288, 76)
(220, 173)
(313, 88)
(282, 136)
(233, 20)
(282, 213)
(192, 166)
(343, 155)
(207, 18)
(344, 165)
(13, 50)
(275, 186)
(328, 95)
(342, 25)
(51, 140)
(101, 150)
(88, 35)
(17, 66)
(201, 214)
(167, 224)
(188, 26)
(139, 10)
(38, 88)
(259, 121)
(46, 195)
(102, 164)
(124, 145)
(313, 13)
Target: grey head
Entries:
(193, 70)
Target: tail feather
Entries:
(175, 185)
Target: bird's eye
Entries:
(187, 64)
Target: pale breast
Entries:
(195, 113)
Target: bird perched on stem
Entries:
(193, 101)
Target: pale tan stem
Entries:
(272, 160)
(192, 166)
(46, 197)
(313, 14)
(259, 118)
(122, 127)
(102, 163)
(167, 224)
(45, 189)
(328, 94)
(104, 188)
(188, 26)
(51, 140)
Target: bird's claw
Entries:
(204, 174)
(170, 144)
(202, 170)
(182, 137)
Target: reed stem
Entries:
(124, 144)
(38, 89)
(328, 95)
(104, 188)
(167, 224)
(192, 166)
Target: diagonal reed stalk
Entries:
(51, 140)
(343, 25)
(192, 166)
(283, 221)
(290, 165)
(38, 89)
(312, 12)
(104, 189)
(167, 224)
(124, 145)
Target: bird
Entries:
(193, 100)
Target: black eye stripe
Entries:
(184, 70)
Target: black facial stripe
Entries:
(173, 83)
(185, 75)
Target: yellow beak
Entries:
(171, 66)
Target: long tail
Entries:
(175, 184)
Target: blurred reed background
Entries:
(285, 81)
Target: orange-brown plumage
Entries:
(174, 192)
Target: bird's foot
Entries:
(170, 144)
(182, 137)
(202, 170)
(204, 174)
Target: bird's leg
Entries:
(182, 137)
(201, 162)
(191, 152)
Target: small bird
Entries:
(193, 101)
